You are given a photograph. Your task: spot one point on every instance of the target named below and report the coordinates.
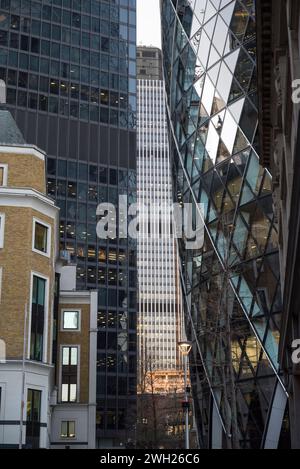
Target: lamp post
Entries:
(185, 349)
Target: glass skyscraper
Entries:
(70, 70)
(232, 287)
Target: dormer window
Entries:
(3, 175)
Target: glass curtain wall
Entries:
(231, 285)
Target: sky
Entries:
(148, 23)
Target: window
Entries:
(71, 320)
(69, 374)
(3, 175)
(67, 429)
(2, 225)
(33, 420)
(149, 54)
(37, 318)
(41, 238)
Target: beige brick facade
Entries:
(18, 261)
(25, 171)
(81, 339)
(17, 258)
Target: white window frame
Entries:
(2, 230)
(5, 174)
(62, 346)
(46, 319)
(70, 310)
(49, 233)
(68, 438)
(41, 390)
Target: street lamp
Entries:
(185, 349)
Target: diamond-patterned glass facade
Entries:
(232, 284)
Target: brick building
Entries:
(47, 376)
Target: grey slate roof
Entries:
(10, 134)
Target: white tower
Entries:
(159, 298)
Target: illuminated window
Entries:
(67, 429)
(102, 255)
(41, 238)
(69, 374)
(71, 320)
(112, 256)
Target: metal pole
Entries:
(187, 430)
(23, 382)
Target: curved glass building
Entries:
(232, 285)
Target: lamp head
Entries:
(185, 348)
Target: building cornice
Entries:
(26, 197)
(75, 297)
(22, 150)
(18, 365)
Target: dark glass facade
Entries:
(280, 141)
(70, 69)
(232, 286)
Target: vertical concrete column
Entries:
(276, 418)
(93, 372)
(216, 429)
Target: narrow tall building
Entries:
(159, 298)
(70, 69)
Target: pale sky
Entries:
(148, 23)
